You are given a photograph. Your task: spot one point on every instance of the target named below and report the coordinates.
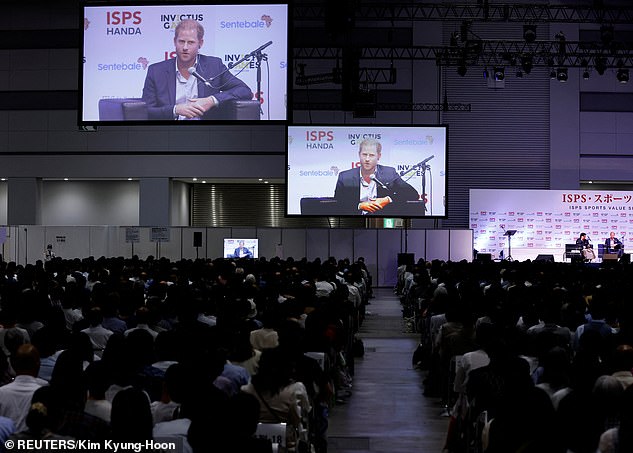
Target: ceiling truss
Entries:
(482, 11)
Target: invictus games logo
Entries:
(170, 21)
(143, 61)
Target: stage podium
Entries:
(509, 233)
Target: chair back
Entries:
(122, 109)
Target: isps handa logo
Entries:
(123, 23)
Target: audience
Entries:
(540, 353)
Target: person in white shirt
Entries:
(15, 397)
(98, 334)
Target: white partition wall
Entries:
(437, 245)
(379, 247)
(460, 245)
(317, 244)
(366, 245)
(269, 241)
(188, 249)
(342, 243)
(415, 243)
(388, 249)
(215, 244)
(293, 243)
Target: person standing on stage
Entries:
(613, 244)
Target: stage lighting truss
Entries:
(489, 53)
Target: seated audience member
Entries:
(142, 318)
(555, 374)
(40, 423)
(524, 422)
(598, 322)
(548, 334)
(486, 337)
(266, 337)
(243, 354)
(174, 385)
(281, 399)
(44, 342)
(97, 383)
(623, 365)
(243, 418)
(15, 397)
(131, 417)
(69, 393)
(620, 439)
(97, 333)
(11, 336)
(166, 349)
(111, 321)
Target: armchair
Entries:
(134, 109)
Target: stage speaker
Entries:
(609, 257)
(406, 259)
(197, 238)
(484, 257)
(625, 258)
(545, 258)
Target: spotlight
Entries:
(561, 74)
(526, 63)
(485, 73)
(585, 74)
(622, 75)
(461, 69)
(601, 65)
(529, 33)
(500, 74)
(519, 73)
(552, 74)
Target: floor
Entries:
(387, 412)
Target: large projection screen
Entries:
(329, 175)
(122, 40)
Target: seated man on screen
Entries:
(242, 252)
(613, 244)
(172, 93)
(372, 187)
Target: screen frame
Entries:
(83, 4)
(250, 240)
(380, 214)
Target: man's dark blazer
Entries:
(159, 91)
(247, 253)
(615, 248)
(347, 192)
